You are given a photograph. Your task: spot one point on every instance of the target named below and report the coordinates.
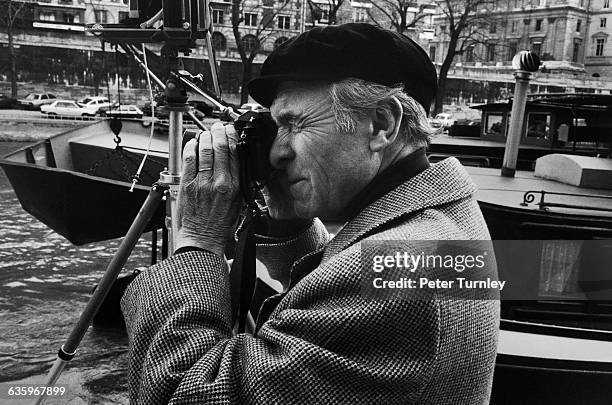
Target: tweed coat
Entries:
(324, 343)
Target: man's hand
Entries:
(209, 200)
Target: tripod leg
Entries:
(68, 349)
(153, 246)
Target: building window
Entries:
(250, 43)
(250, 19)
(491, 52)
(576, 51)
(442, 29)
(469, 54)
(360, 14)
(101, 16)
(538, 26)
(217, 16)
(324, 12)
(512, 50)
(602, 22)
(432, 53)
(493, 28)
(517, 3)
(279, 41)
(72, 18)
(536, 48)
(599, 46)
(47, 16)
(123, 15)
(493, 124)
(219, 43)
(284, 22)
(578, 25)
(538, 125)
(514, 26)
(606, 4)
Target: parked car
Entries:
(252, 107)
(64, 107)
(34, 101)
(7, 102)
(122, 111)
(94, 104)
(444, 120)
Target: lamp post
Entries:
(524, 62)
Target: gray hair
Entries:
(353, 98)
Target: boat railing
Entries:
(45, 118)
(530, 196)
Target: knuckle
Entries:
(222, 184)
(222, 147)
(189, 158)
(217, 125)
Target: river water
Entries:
(45, 282)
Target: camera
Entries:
(184, 21)
(256, 132)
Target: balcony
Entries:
(58, 25)
(70, 4)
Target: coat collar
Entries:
(443, 182)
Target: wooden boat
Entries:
(575, 123)
(78, 182)
(556, 330)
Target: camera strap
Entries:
(243, 271)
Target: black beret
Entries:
(357, 50)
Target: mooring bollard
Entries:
(525, 62)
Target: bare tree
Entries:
(10, 11)
(259, 30)
(399, 15)
(467, 23)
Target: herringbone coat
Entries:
(324, 343)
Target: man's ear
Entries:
(386, 121)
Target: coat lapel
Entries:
(443, 182)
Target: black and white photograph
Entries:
(306, 202)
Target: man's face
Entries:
(323, 169)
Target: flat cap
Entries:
(356, 50)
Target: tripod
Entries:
(166, 188)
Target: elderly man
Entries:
(350, 104)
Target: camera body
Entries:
(184, 21)
(256, 132)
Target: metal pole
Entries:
(513, 140)
(172, 176)
(68, 349)
(212, 61)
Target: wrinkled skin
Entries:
(209, 204)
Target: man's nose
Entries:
(281, 152)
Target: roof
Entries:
(573, 99)
(560, 100)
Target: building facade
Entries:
(598, 44)
(566, 34)
(554, 29)
(412, 18)
(52, 46)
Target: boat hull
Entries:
(81, 208)
(78, 182)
